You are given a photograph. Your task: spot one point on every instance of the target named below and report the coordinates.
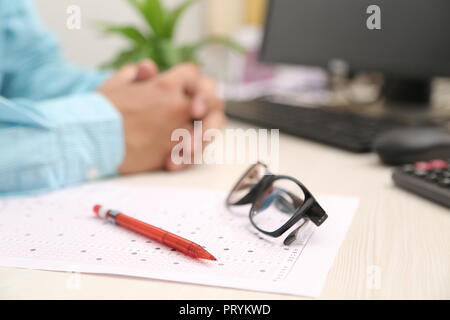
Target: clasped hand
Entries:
(154, 104)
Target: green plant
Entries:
(157, 42)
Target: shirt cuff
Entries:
(99, 78)
(90, 135)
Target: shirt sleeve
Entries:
(58, 142)
(33, 66)
(55, 131)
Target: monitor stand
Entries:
(412, 94)
(409, 100)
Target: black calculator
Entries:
(429, 179)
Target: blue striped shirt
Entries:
(55, 130)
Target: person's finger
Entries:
(124, 75)
(200, 101)
(202, 90)
(199, 107)
(185, 75)
(146, 70)
(217, 101)
(171, 165)
(129, 73)
(215, 120)
(206, 99)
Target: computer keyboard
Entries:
(347, 130)
(429, 179)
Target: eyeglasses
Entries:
(278, 206)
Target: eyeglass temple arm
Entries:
(315, 213)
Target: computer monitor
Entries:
(407, 40)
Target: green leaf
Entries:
(158, 45)
(154, 14)
(165, 54)
(139, 5)
(154, 52)
(172, 54)
(129, 32)
(221, 40)
(189, 52)
(174, 16)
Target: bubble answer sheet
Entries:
(59, 232)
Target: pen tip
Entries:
(96, 209)
(212, 258)
(208, 256)
(201, 253)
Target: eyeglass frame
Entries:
(309, 203)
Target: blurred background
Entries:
(241, 20)
(369, 82)
(203, 18)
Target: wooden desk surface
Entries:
(400, 238)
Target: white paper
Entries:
(59, 232)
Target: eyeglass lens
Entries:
(277, 204)
(245, 186)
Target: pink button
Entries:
(438, 164)
(423, 166)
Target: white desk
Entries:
(407, 238)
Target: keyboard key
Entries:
(438, 164)
(428, 179)
(433, 176)
(445, 174)
(408, 168)
(444, 182)
(423, 166)
(420, 173)
(341, 128)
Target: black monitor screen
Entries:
(403, 37)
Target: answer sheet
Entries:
(59, 231)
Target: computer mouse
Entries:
(409, 145)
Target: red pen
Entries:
(169, 239)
